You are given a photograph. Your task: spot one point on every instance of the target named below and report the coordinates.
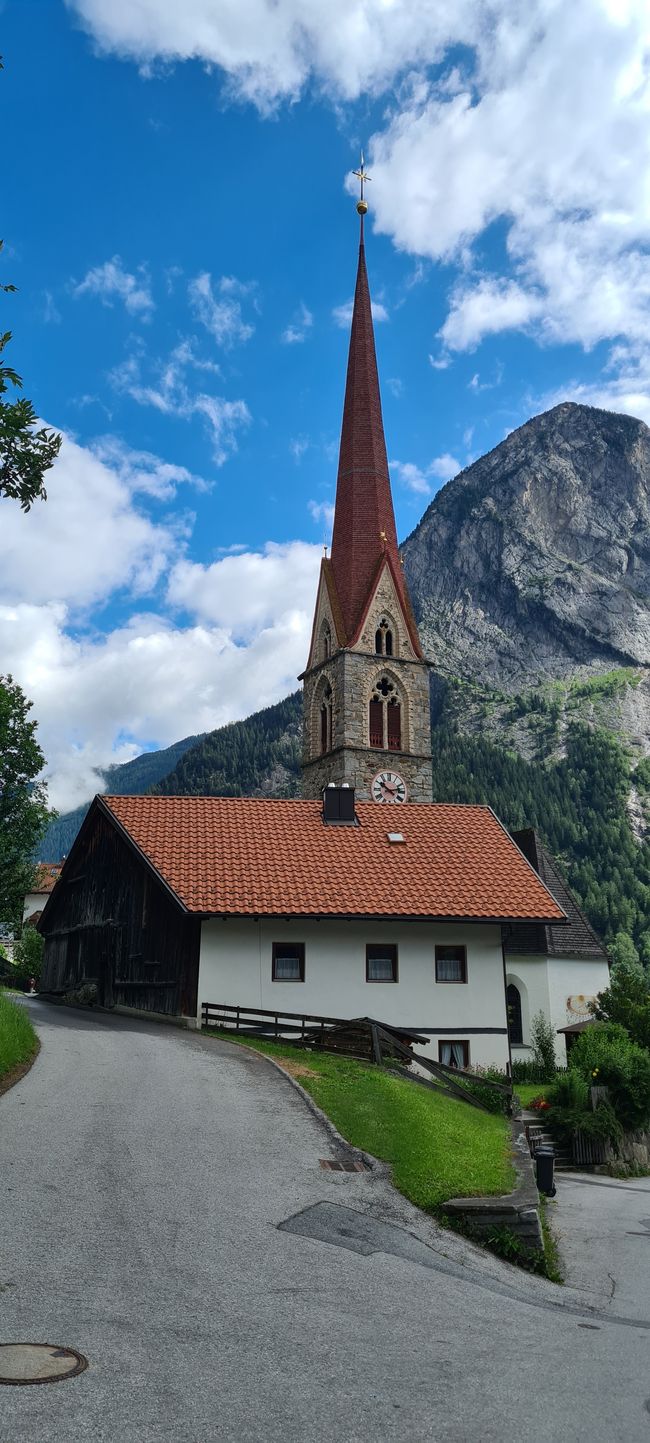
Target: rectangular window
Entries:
(288, 962)
(454, 1054)
(381, 962)
(451, 964)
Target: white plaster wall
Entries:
(34, 902)
(569, 983)
(235, 968)
(546, 985)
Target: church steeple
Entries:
(366, 699)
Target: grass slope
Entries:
(18, 1041)
(437, 1148)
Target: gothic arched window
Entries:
(325, 642)
(385, 717)
(513, 1007)
(379, 641)
(388, 643)
(326, 720)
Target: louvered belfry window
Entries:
(376, 723)
(394, 726)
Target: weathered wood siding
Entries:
(112, 924)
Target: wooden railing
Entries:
(361, 1037)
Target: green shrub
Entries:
(494, 1101)
(527, 1070)
(570, 1090)
(542, 1041)
(28, 957)
(571, 1110)
(605, 1056)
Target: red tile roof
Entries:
(247, 856)
(47, 876)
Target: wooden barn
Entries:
(112, 921)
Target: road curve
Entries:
(149, 1179)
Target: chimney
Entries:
(338, 806)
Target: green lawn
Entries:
(438, 1148)
(18, 1040)
(526, 1091)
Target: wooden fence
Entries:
(360, 1037)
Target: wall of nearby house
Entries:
(560, 987)
(236, 969)
(112, 924)
(34, 902)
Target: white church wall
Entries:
(236, 968)
(560, 987)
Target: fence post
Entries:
(376, 1049)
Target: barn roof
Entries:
(243, 856)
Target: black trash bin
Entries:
(544, 1167)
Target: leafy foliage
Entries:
(23, 809)
(605, 1055)
(627, 1001)
(17, 1037)
(542, 1039)
(25, 454)
(28, 957)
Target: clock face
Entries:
(388, 787)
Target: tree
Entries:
(28, 956)
(627, 1001)
(23, 806)
(25, 454)
(542, 1041)
(622, 950)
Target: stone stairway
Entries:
(539, 1136)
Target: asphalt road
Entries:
(163, 1211)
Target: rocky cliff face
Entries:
(533, 564)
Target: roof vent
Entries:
(395, 837)
(338, 806)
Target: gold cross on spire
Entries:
(362, 177)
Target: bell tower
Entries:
(366, 684)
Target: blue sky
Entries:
(177, 220)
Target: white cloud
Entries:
(143, 471)
(490, 305)
(296, 332)
(89, 538)
(395, 386)
(297, 446)
(270, 49)
(418, 480)
(220, 314)
(343, 314)
(111, 282)
(322, 511)
(51, 312)
(168, 392)
(244, 593)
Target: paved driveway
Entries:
(163, 1210)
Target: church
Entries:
(364, 897)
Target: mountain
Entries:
(535, 561)
(258, 757)
(124, 780)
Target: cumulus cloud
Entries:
(220, 313)
(111, 282)
(322, 512)
(220, 641)
(296, 332)
(91, 537)
(418, 480)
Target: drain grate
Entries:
(23, 1363)
(332, 1166)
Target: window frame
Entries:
(517, 1041)
(456, 947)
(280, 949)
(382, 948)
(456, 1042)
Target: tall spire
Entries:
(364, 521)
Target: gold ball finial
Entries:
(362, 207)
(362, 177)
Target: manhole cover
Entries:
(22, 1363)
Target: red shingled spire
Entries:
(364, 521)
